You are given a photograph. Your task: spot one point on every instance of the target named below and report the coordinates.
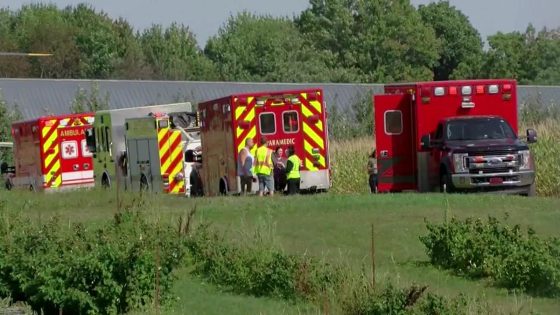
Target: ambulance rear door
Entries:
(395, 143)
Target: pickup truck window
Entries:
(478, 129)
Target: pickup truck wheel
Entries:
(532, 190)
(196, 184)
(445, 183)
(9, 184)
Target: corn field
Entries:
(349, 159)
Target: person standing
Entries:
(245, 167)
(372, 172)
(263, 168)
(279, 169)
(292, 172)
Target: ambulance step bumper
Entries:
(493, 180)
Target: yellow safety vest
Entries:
(263, 163)
(294, 172)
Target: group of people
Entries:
(270, 168)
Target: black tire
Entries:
(532, 190)
(144, 185)
(223, 188)
(105, 182)
(445, 183)
(196, 184)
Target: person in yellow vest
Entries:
(263, 168)
(292, 172)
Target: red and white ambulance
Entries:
(452, 136)
(50, 153)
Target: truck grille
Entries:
(493, 153)
(488, 170)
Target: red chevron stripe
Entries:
(48, 168)
(307, 104)
(247, 110)
(55, 176)
(166, 154)
(53, 129)
(164, 139)
(246, 131)
(172, 181)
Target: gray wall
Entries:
(38, 97)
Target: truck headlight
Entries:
(459, 162)
(525, 160)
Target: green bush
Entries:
(511, 257)
(80, 270)
(264, 271)
(413, 300)
(260, 270)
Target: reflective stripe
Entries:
(263, 164)
(294, 172)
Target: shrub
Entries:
(111, 269)
(511, 257)
(260, 270)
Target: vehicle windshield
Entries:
(478, 129)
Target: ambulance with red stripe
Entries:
(155, 154)
(50, 153)
(286, 118)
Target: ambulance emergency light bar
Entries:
(466, 92)
(284, 98)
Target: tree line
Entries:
(358, 41)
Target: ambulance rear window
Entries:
(267, 123)
(393, 122)
(291, 123)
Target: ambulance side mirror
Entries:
(90, 140)
(531, 136)
(425, 142)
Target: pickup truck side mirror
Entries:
(531, 136)
(425, 142)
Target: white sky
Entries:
(204, 17)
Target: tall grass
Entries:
(349, 159)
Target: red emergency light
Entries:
(242, 101)
(425, 94)
(506, 90)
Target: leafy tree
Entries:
(460, 54)
(383, 40)
(263, 48)
(130, 62)
(96, 40)
(174, 55)
(7, 117)
(44, 28)
(92, 102)
(541, 64)
(503, 59)
(11, 66)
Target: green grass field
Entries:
(332, 227)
